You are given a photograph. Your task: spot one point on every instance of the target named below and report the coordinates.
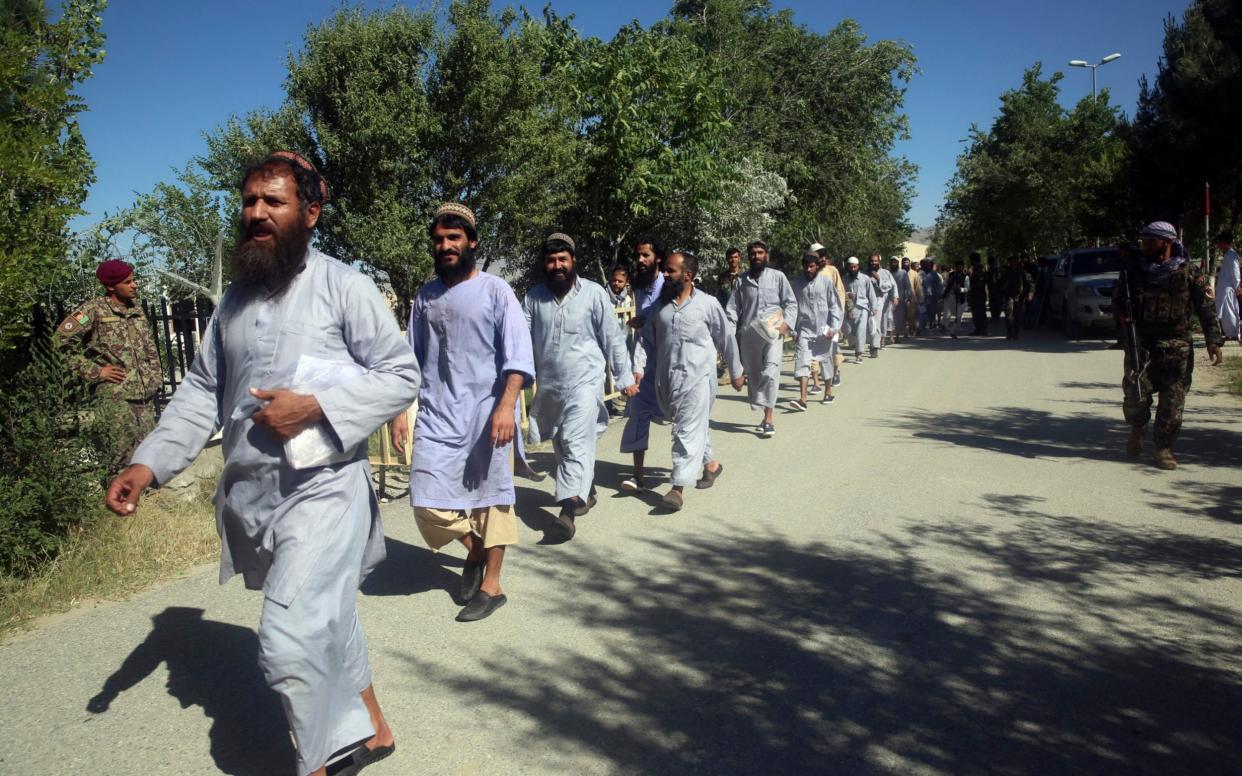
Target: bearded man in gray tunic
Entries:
(762, 309)
(861, 291)
(575, 335)
(301, 362)
(679, 344)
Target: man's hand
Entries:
(829, 333)
(783, 329)
(738, 382)
(631, 391)
(286, 412)
(127, 488)
(503, 425)
(112, 374)
(400, 431)
(635, 322)
(1215, 354)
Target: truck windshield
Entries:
(1096, 262)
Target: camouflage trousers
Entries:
(1166, 373)
(135, 419)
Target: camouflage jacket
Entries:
(1163, 304)
(101, 333)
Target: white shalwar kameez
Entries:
(679, 344)
(574, 339)
(307, 537)
(755, 299)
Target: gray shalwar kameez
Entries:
(820, 307)
(679, 344)
(756, 298)
(905, 293)
(574, 338)
(306, 537)
(886, 299)
(862, 291)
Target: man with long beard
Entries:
(762, 309)
(821, 311)
(307, 532)
(642, 407)
(470, 337)
(574, 334)
(861, 292)
(679, 346)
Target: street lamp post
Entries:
(1097, 66)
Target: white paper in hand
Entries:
(315, 445)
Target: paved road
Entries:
(950, 571)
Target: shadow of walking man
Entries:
(213, 665)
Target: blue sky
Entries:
(176, 68)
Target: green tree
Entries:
(652, 117)
(399, 116)
(45, 168)
(1040, 179)
(1186, 127)
(823, 110)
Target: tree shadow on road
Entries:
(1213, 500)
(1031, 433)
(410, 570)
(212, 665)
(758, 655)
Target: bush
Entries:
(57, 444)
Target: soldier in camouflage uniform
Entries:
(108, 343)
(1165, 289)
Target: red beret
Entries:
(113, 271)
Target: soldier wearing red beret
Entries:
(108, 343)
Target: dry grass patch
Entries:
(112, 557)
(1233, 374)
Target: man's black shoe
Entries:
(481, 606)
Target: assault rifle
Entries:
(1132, 350)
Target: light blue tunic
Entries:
(678, 346)
(820, 307)
(466, 338)
(756, 298)
(574, 339)
(862, 291)
(307, 537)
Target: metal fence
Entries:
(178, 328)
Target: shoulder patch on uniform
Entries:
(82, 318)
(1209, 292)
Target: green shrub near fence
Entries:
(56, 440)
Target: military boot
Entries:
(1164, 459)
(1134, 447)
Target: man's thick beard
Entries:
(852, 273)
(670, 290)
(645, 275)
(463, 267)
(273, 266)
(756, 269)
(561, 286)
